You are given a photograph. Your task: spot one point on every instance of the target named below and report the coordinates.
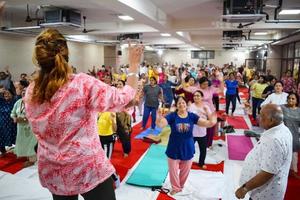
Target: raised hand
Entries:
(135, 53)
(2, 4)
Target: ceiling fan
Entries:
(84, 27)
(245, 25)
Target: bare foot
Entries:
(173, 192)
(28, 164)
(125, 155)
(204, 167)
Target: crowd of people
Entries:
(73, 101)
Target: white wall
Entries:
(178, 56)
(221, 57)
(16, 51)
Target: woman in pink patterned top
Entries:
(62, 110)
(288, 82)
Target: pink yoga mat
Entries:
(238, 122)
(238, 146)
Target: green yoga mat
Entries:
(152, 170)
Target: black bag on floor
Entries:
(228, 129)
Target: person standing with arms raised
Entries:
(62, 109)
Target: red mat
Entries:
(238, 146)
(138, 148)
(10, 163)
(253, 121)
(238, 122)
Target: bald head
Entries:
(271, 115)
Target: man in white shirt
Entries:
(266, 167)
(143, 69)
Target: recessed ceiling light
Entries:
(165, 34)
(289, 12)
(260, 33)
(125, 17)
(180, 33)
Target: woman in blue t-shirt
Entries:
(181, 149)
(231, 92)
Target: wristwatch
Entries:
(244, 188)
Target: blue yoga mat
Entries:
(152, 170)
(148, 131)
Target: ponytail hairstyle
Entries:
(52, 55)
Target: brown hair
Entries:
(51, 53)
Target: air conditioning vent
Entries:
(61, 17)
(232, 34)
(133, 36)
(242, 11)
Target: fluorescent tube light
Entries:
(125, 17)
(289, 12)
(165, 34)
(260, 33)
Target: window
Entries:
(297, 50)
(291, 50)
(291, 60)
(296, 70)
(284, 51)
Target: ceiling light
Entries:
(290, 12)
(180, 33)
(160, 52)
(125, 17)
(165, 34)
(260, 33)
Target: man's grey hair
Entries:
(275, 113)
(276, 116)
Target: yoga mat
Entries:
(238, 146)
(238, 122)
(148, 131)
(164, 135)
(152, 170)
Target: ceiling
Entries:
(194, 24)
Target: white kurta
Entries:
(278, 99)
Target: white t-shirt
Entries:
(199, 131)
(172, 79)
(278, 99)
(272, 154)
(144, 70)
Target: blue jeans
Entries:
(256, 102)
(147, 111)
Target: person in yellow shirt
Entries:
(152, 72)
(106, 129)
(107, 126)
(257, 90)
